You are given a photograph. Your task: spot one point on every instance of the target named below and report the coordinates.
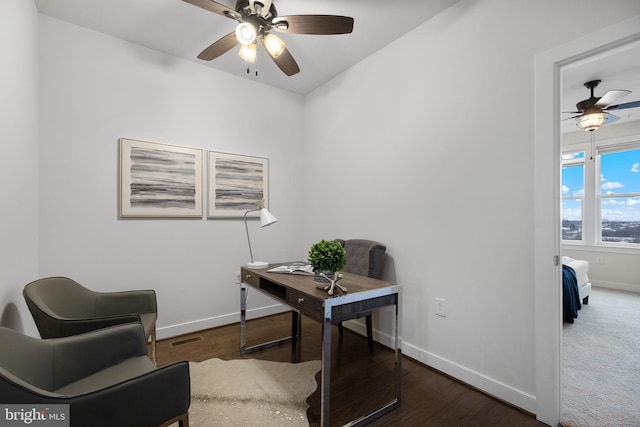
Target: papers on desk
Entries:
(305, 270)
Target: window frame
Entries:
(574, 162)
(601, 150)
(592, 207)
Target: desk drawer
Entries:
(305, 305)
(249, 278)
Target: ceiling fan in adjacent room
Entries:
(594, 111)
(256, 20)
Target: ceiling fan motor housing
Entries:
(583, 105)
(243, 7)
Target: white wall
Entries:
(421, 146)
(19, 159)
(96, 89)
(611, 268)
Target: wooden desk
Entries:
(302, 295)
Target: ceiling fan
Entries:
(256, 20)
(594, 111)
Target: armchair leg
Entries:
(296, 327)
(369, 332)
(182, 420)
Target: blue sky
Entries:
(620, 175)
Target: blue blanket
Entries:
(570, 294)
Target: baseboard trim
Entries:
(616, 285)
(490, 386)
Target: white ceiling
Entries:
(184, 30)
(618, 69)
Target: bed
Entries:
(576, 286)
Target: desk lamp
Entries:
(266, 218)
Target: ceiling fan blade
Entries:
(284, 61)
(219, 47)
(634, 104)
(313, 24)
(610, 119)
(215, 7)
(611, 96)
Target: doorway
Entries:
(547, 236)
(583, 349)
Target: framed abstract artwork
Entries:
(237, 184)
(160, 180)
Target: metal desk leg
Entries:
(325, 405)
(243, 327)
(395, 402)
(243, 317)
(398, 352)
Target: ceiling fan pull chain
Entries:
(593, 145)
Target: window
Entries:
(601, 196)
(572, 195)
(619, 195)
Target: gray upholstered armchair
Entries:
(104, 376)
(62, 307)
(365, 258)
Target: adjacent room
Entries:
(601, 233)
(433, 128)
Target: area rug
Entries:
(601, 362)
(249, 392)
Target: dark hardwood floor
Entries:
(360, 381)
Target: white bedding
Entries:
(581, 268)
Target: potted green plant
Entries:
(328, 257)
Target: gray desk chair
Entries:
(104, 376)
(365, 258)
(62, 307)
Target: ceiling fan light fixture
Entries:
(246, 33)
(274, 45)
(591, 121)
(248, 52)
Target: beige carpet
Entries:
(249, 392)
(601, 362)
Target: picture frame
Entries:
(236, 183)
(159, 180)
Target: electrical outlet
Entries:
(599, 260)
(238, 277)
(441, 307)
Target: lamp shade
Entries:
(246, 33)
(266, 218)
(274, 45)
(591, 121)
(248, 52)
